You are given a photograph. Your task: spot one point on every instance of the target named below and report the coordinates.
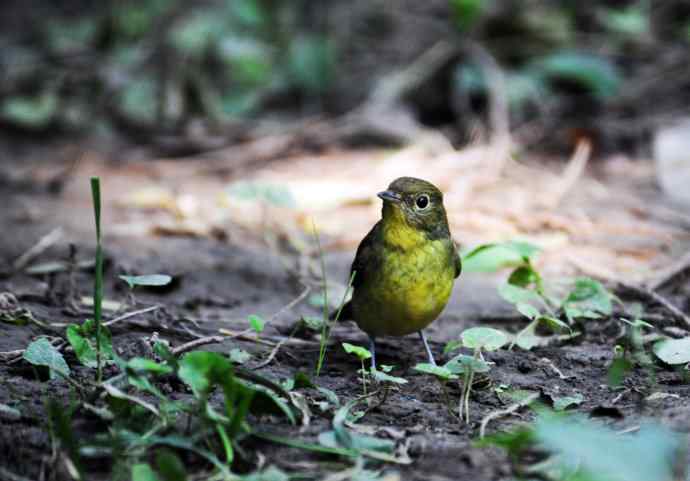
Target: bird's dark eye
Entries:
(422, 201)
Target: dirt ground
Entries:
(220, 277)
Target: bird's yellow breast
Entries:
(410, 286)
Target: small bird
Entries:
(405, 267)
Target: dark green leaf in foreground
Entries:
(604, 455)
(144, 472)
(169, 466)
(147, 280)
(673, 351)
(42, 353)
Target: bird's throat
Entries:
(397, 233)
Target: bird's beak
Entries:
(390, 196)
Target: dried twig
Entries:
(191, 345)
(130, 315)
(505, 412)
(272, 355)
(41, 246)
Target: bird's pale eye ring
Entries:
(422, 202)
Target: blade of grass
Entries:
(306, 446)
(324, 327)
(98, 285)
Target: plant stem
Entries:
(98, 284)
(364, 379)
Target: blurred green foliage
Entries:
(154, 65)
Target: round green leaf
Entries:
(485, 338)
(673, 351)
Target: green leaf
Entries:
(271, 473)
(461, 363)
(169, 466)
(604, 455)
(515, 295)
(311, 62)
(597, 74)
(528, 339)
(239, 356)
(588, 294)
(493, 257)
(384, 377)
(257, 323)
(527, 310)
(554, 323)
(673, 351)
(82, 338)
(524, 276)
(194, 33)
(618, 369)
(632, 21)
(467, 12)
(485, 338)
(139, 364)
(562, 403)
(358, 351)
(201, 370)
(143, 472)
(147, 280)
(452, 345)
(440, 372)
(274, 194)
(138, 100)
(42, 353)
(32, 112)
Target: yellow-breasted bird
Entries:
(406, 265)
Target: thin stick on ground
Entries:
(191, 345)
(129, 315)
(505, 412)
(39, 248)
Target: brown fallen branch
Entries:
(677, 273)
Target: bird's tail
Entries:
(345, 313)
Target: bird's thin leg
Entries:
(372, 348)
(426, 346)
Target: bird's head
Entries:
(416, 203)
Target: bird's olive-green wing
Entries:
(458, 260)
(367, 257)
